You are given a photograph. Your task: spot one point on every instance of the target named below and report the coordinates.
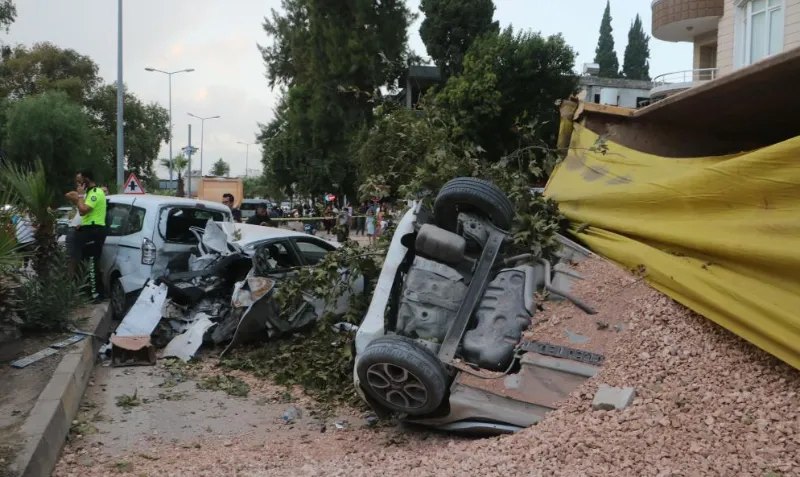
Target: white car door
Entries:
(116, 216)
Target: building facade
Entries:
(615, 91)
(727, 35)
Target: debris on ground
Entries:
(707, 403)
(232, 385)
(608, 398)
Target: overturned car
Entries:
(441, 343)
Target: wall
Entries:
(792, 27)
(701, 41)
(629, 90)
(627, 97)
(725, 39)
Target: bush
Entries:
(46, 303)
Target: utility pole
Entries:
(120, 96)
(189, 151)
(169, 74)
(246, 156)
(202, 137)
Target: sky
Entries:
(218, 39)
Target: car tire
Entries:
(464, 194)
(402, 375)
(120, 302)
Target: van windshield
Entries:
(253, 205)
(174, 222)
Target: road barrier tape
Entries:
(297, 219)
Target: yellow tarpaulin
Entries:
(720, 235)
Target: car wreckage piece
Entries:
(441, 343)
(224, 297)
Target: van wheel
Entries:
(402, 375)
(120, 302)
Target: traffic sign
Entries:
(133, 186)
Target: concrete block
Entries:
(608, 398)
(63, 387)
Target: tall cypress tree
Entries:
(604, 54)
(635, 64)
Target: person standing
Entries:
(91, 235)
(228, 199)
(343, 227)
(26, 241)
(361, 221)
(371, 225)
(261, 216)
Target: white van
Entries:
(147, 234)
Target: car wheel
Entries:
(466, 194)
(119, 300)
(402, 375)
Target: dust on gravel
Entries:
(708, 404)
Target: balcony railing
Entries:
(686, 76)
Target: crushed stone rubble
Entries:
(706, 404)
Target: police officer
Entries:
(91, 235)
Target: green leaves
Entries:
(220, 168)
(637, 53)
(333, 58)
(605, 55)
(450, 27)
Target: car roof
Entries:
(251, 233)
(251, 201)
(151, 199)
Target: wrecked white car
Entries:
(223, 293)
(147, 236)
(441, 344)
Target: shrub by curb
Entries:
(45, 429)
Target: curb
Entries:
(46, 427)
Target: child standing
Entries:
(371, 223)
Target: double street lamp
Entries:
(246, 155)
(169, 74)
(202, 128)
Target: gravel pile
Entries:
(707, 403)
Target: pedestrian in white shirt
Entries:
(25, 237)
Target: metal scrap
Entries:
(184, 346)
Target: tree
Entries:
(8, 13)
(146, 128)
(637, 53)
(509, 86)
(220, 168)
(450, 27)
(332, 58)
(179, 164)
(52, 128)
(46, 67)
(605, 55)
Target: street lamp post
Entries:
(202, 129)
(120, 93)
(246, 155)
(169, 74)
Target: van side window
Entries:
(174, 222)
(116, 215)
(135, 220)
